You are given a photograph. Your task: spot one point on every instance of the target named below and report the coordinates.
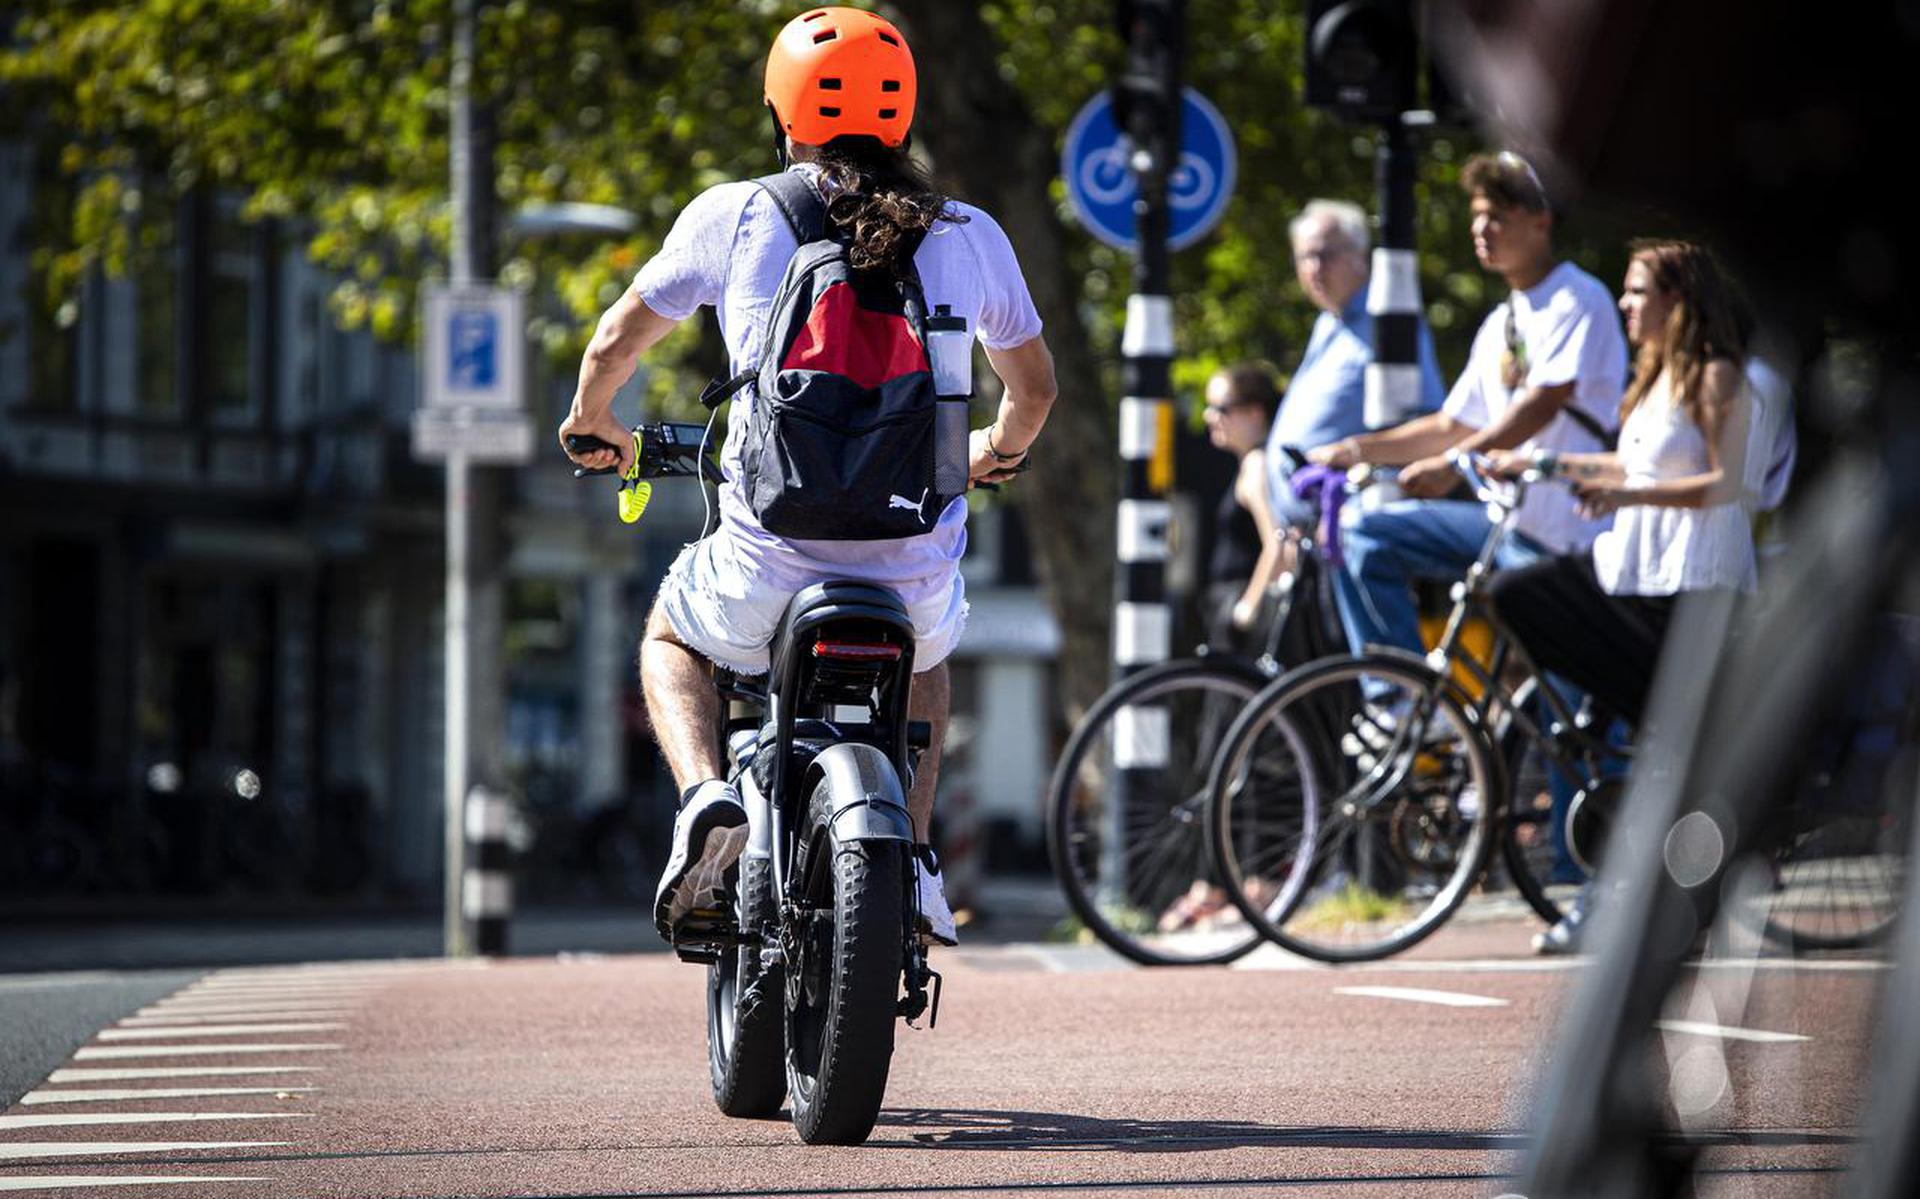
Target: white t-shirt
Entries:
(728, 251)
(1665, 551)
(1570, 333)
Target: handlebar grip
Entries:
(587, 443)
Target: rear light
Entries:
(856, 651)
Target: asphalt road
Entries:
(1053, 1068)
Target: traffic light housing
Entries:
(1363, 58)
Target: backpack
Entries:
(840, 444)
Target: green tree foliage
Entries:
(332, 115)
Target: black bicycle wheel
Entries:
(842, 993)
(1839, 870)
(744, 1033)
(1540, 873)
(1125, 815)
(1399, 779)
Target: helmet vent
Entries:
(890, 85)
(825, 35)
(888, 38)
(815, 15)
(829, 85)
(887, 114)
(829, 112)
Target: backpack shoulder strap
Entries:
(1609, 439)
(799, 202)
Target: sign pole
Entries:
(455, 939)
(1150, 116)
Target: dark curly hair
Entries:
(880, 199)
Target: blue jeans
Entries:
(1388, 548)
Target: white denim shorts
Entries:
(725, 600)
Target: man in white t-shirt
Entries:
(724, 596)
(1547, 370)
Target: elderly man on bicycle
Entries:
(1546, 371)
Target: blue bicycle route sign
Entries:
(1102, 187)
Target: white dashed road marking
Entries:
(48, 1182)
(209, 1030)
(66, 1120)
(25, 1150)
(98, 1053)
(1422, 995)
(121, 1094)
(149, 1018)
(132, 1073)
(1726, 1033)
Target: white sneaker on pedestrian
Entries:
(1564, 937)
(936, 918)
(709, 835)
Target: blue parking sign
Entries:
(1102, 188)
(473, 349)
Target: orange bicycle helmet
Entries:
(838, 72)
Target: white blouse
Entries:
(1663, 551)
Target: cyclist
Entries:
(840, 86)
(1599, 618)
(1547, 369)
(1248, 553)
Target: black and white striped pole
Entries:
(1393, 294)
(1148, 107)
(486, 886)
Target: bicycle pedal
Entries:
(705, 955)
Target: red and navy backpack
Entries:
(841, 441)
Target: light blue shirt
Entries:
(1327, 398)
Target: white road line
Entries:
(75, 1120)
(100, 1053)
(208, 1030)
(23, 1150)
(1421, 995)
(133, 1073)
(1726, 1033)
(270, 994)
(51, 1182)
(226, 1017)
(122, 1094)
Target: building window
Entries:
(156, 280)
(230, 316)
(47, 329)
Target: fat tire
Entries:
(745, 1054)
(838, 1101)
(1238, 673)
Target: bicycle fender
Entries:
(863, 799)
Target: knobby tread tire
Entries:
(839, 1105)
(749, 1076)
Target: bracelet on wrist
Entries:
(995, 450)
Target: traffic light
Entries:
(1362, 58)
(1146, 97)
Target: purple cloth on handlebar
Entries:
(1325, 487)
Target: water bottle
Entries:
(950, 351)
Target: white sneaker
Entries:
(709, 835)
(936, 918)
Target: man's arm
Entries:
(1027, 371)
(1415, 439)
(1523, 418)
(626, 331)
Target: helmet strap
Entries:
(779, 138)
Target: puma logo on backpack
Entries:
(842, 426)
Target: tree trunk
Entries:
(988, 149)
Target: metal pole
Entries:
(455, 940)
(1393, 295)
(1142, 624)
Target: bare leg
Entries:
(682, 705)
(928, 700)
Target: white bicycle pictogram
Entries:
(1106, 178)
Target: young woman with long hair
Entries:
(1675, 487)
